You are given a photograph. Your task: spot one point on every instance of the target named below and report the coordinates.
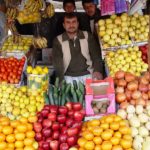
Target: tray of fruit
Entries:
(11, 69)
(19, 43)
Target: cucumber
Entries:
(78, 93)
(63, 100)
(57, 82)
(75, 84)
(56, 99)
(63, 86)
(81, 99)
(74, 95)
(68, 88)
(51, 92)
(81, 87)
(46, 98)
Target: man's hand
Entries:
(97, 75)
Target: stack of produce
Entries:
(22, 43)
(61, 94)
(119, 30)
(138, 117)
(128, 60)
(144, 50)
(14, 102)
(11, 69)
(108, 133)
(131, 89)
(40, 42)
(58, 128)
(16, 135)
(37, 80)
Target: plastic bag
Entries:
(120, 6)
(107, 7)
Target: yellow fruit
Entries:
(29, 69)
(97, 140)
(106, 145)
(28, 141)
(105, 126)
(97, 131)
(30, 134)
(115, 140)
(2, 137)
(7, 130)
(11, 145)
(124, 130)
(95, 122)
(117, 134)
(117, 118)
(88, 136)
(97, 147)
(127, 137)
(19, 144)
(114, 126)
(14, 123)
(81, 141)
(106, 135)
(22, 128)
(3, 145)
(29, 148)
(89, 145)
(23, 120)
(32, 119)
(20, 136)
(117, 147)
(10, 138)
(29, 126)
(126, 143)
(109, 119)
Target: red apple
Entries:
(78, 116)
(62, 110)
(61, 118)
(52, 116)
(64, 130)
(55, 126)
(37, 127)
(69, 122)
(55, 135)
(38, 137)
(63, 138)
(72, 140)
(69, 105)
(77, 106)
(72, 131)
(70, 113)
(46, 132)
(49, 139)
(47, 123)
(45, 113)
(54, 145)
(46, 146)
(64, 146)
(54, 109)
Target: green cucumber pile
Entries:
(61, 93)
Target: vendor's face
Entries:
(89, 8)
(69, 8)
(71, 24)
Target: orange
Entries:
(123, 123)
(117, 134)
(10, 138)
(90, 128)
(97, 131)
(23, 120)
(81, 148)
(114, 126)
(9, 149)
(11, 145)
(110, 130)
(127, 137)
(88, 136)
(7, 130)
(115, 140)
(126, 143)
(2, 137)
(117, 118)
(22, 128)
(117, 147)
(29, 126)
(30, 134)
(19, 144)
(28, 141)
(20, 136)
(129, 149)
(1, 127)
(3, 145)
(106, 135)
(81, 141)
(14, 123)
(95, 122)
(19, 149)
(89, 145)
(109, 119)
(106, 145)
(29, 148)
(97, 140)
(4, 121)
(124, 130)
(32, 119)
(104, 125)
(97, 147)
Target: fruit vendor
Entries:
(76, 55)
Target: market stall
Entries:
(108, 114)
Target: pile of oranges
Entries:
(16, 134)
(108, 133)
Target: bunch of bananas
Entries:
(49, 11)
(40, 42)
(11, 13)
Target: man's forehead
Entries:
(70, 19)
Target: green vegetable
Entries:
(81, 87)
(51, 92)
(68, 88)
(57, 82)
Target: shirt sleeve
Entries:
(95, 54)
(57, 58)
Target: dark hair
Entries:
(87, 1)
(68, 1)
(70, 15)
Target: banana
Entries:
(40, 42)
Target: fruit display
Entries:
(31, 12)
(15, 102)
(11, 13)
(38, 80)
(131, 89)
(58, 128)
(120, 30)
(22, 43)
(40, 42)
(107, 133)
(64, 92)
(11, 69)
(16, 135)
(144, 50)
(128, 60)
(138, 117)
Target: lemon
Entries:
(29, 69)
(45, 70)
(34, 71)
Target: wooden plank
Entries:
(149, 46)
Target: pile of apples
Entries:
(144, 50)
(58, 127)
(128, 60)
(15, 102)
(120, 30)
(11, 69)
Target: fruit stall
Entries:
(108, 114)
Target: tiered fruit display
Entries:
(11, 69)
(40, 42)
(107, 133)
(38, 80)
(128, 60)
(23, 44)
(11, 13)
(144, 50)
(138, 117)
(114, 31)
(119, 30)
(16, 135)
(131, 89)
(14, 102)
(58, 128)
(30, 13)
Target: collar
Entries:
(80, 35)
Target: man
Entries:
(76, 55)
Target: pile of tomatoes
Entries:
(108, 133)
(11, 69)
(16, 134)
